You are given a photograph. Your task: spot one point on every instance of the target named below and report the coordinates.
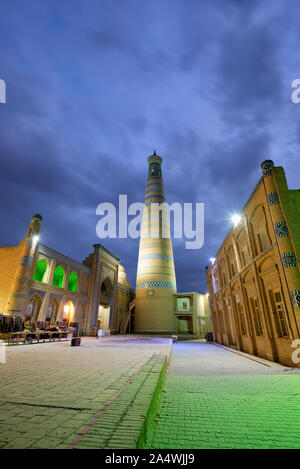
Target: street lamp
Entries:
(35, 240)
(236, 218)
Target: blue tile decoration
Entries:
(53, 295)
(289, 260)
(149, 184)
(267, 167)
(273, 198)
(165, 257)
(281, 230)
(37, 292)
(26, 261)
(170, 274)
(156, 284)
(154, 196)
(295, 297)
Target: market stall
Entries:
(15, 330)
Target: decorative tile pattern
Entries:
(156, 284)
(165, 257)
(267, 167)
(37, 292)
(154, 184)
(273, 198)
(154, 196)
(289, 260)
(26, 261)
(53, 295)
(295, 297)
(281, 230)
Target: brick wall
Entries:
(9, 258)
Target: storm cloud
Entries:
(94, 87)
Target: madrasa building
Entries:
(40, 284)
(254, 281)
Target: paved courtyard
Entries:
(98, 395)
(53, 395)
(218, 398)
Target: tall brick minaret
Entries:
(156, 281)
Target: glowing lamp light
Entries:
(35, 240)
(66, 309)
(236, 219)
(212, 259)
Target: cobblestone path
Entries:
(50, 392)
(214, 398)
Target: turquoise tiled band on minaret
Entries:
(155, 261)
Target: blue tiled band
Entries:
(281, 230)
(289, 260)
(273, 198)
(156, 284)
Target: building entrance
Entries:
(184, 324)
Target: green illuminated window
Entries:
(73, 281)
(59, 275)
(40, 270)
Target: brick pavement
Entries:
(50, 392)
(214, 398)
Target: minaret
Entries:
(156, 281)
(23, 276)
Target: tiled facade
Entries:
(254, 284)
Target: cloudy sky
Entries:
(93, 87)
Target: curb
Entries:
(146, 433)
(126, 421)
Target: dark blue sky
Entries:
(93, 87)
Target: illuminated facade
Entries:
(42, 284)
(254, 283)
(191, 313)
(155, 282)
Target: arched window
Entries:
(259, 230)
(40, 270)
(59, 275)
(73, 281)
